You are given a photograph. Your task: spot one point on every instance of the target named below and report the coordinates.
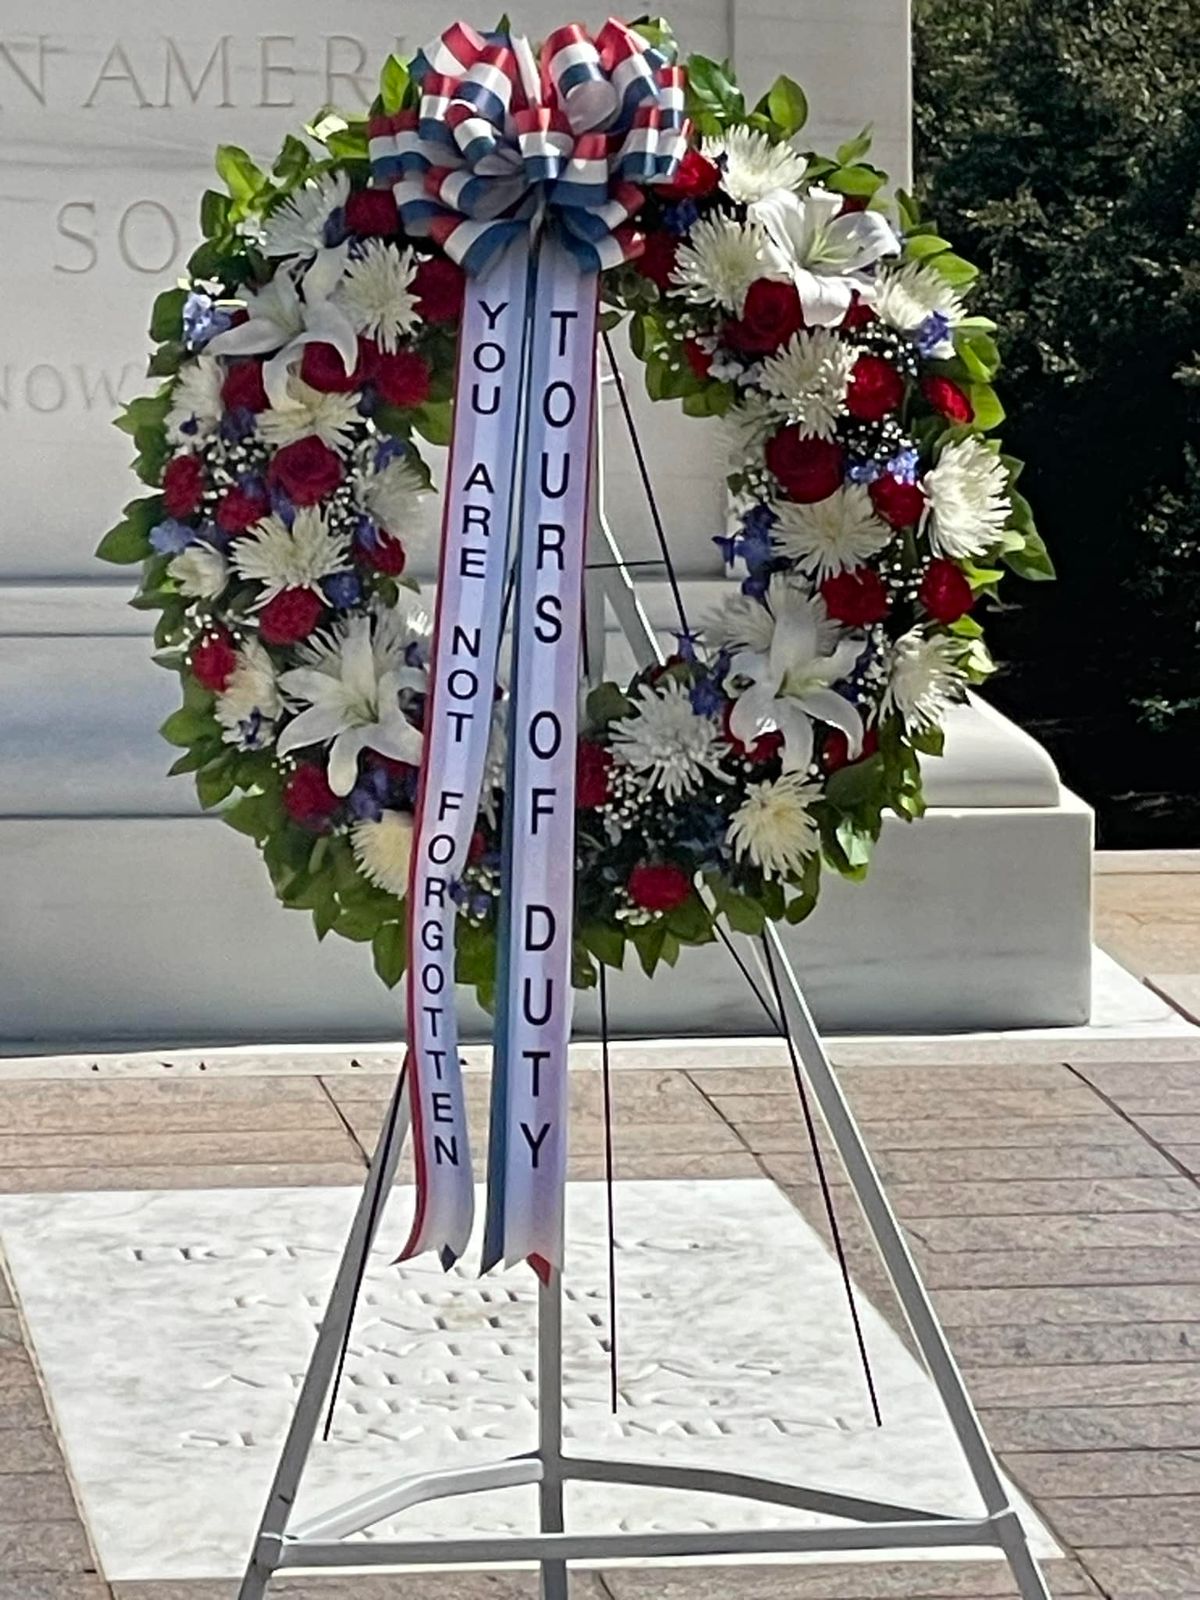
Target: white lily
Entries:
(283, 317)
(788, 683)
(352, 705)
(825, 253)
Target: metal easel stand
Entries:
(326, 1541)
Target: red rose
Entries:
(243, 387)
(771, 315)
(322, 368)
(835, 752)
(945, 396)
(401, 379)
(808, 469)
(372, 211)
(593, 763)
(765, 748)
(306, 471)
(477, 848)
(213, 661)
(853, 203)
(290, 616)
(658, 888)
(695, 176)
(855, 598)
(858, 315)
(697, 357)
(386, 554)
(240, 509)
(945, 592)
(438, 287)
(899, 503)
(657, 260)
(183, 485)
(308, 799)
(875, 389)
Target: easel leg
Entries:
(338, 1314)
(910, 1291)
(550, 1491)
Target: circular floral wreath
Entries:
(311, 349)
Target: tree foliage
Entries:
(1059, 141)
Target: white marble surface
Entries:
(173, 1328)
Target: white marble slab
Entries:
(173, 1328)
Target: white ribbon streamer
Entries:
(458, 721)
(528, 1155)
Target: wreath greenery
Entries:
(310, 353)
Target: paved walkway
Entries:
(1054, 1208)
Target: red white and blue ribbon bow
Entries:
(505, 139)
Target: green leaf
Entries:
(393, 84)
(787, 106)
(389, 949)
(185, 726)
(293, 161)
(860, 182)
(239, 174)
(124, 544)
(921, 246)
(605, 941)
(166, 319)
(1032, 561)
(607, 703)
(434, 421)
(255, 816)
(214, 783)
(977, 351)
(985, 403)
(854, 149)
(957, 272)
(712, 97)
(690, 922)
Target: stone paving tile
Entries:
(1051, 1345)
(1182, 989)
(1107, 1472)
(1154, 1427)
(56, 1547)
(27, 1450)
(1142, 1081)
(371, 1586)
(1057, 1268)
(35, 1497)
(290, 1147)
(32, 1586)
(1168, 1128)
(1146, 1574)
(264, 1175)
(950, 1075)
(188, 1105)
(1106, 1304)
(1015, 1197)
(953, 1133)
(1140, 1230)
(1187, 1155)
(1071, 1099)
(1118, 1385)
(866, 1580)
(1125, 1520)
(679, 1165)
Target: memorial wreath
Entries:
(311, 354)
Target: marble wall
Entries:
(110, 110)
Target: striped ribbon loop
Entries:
(506, 139)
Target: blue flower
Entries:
(727, 544)
(368, 795)
(281, 505)
(335, 228)
(756, 584)
(706, 698)
(904, 465)
(203, 320)
(343, 589)
(862, 470)
(172, 536)
(933, 333)
(679, 218)
(389, 449)
(366, 533)
(237, 425)
(686, 644)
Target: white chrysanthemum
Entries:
(666, 743)
(196, 404)
(740, 623)
(393, 497)
(376, 296)
(745, 429)
(307, 412)
(201, 572)
(809, 378)
(773, 828)
(752, 165)
(401, 634)
(906, 297)
(833, 535)
(925, 679)
(298, 557)
(967, 500)
(721, 259)
(383, 850)
(297, 227)
(350, 704)
(249, 704)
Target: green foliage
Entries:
(1060, 146)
